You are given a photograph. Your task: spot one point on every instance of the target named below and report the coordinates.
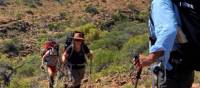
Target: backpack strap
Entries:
(152, 38)
(71, 46)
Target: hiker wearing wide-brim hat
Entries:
(74, 59)
(78, 36)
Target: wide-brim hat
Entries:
(78, 36)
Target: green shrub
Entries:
(1, 34)
(26, 71)
(11, 46)
(137, 44)
(20, 83)
(32, 3)
(63, 2)
(105, 58)
(30, 67)
(19, 16)
(62, 15)
(113, 41)
(56, 26)
(91, 10)
(41, 39)
(86, 28)
(131, 28)
(119, 16)
(106, 25)
(60, 37)
(142, 16)
(119, 35)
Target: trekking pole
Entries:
(90, 73)
(136, 60)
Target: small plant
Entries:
(32, 3)
(1, 34)
(91, 10)
(142, 16)
(106, 25)
(19, 16)
(62, 15)
(119, 16)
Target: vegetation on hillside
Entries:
(114, 29)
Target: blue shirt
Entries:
(166, 20)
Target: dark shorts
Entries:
(177, 80)
(53, 68)
(76, 76)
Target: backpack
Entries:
(189, 12)
(52, 46)
(69, 39)
(190, 19)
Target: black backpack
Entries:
(189, 11)
(187, 53)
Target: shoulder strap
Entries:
(82, 47)
(71, 46)
(152, 38)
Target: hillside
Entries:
(114, 30)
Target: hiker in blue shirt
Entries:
(165, 30)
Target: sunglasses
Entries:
(78, 40)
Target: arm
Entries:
(165, 23)
(44, 57)
(64, 59)
(88, 52)
(90, 55)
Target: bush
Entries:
(26, 71)
(32, 3)
(142, 16)
(106, 25)
(30, 67)
(56, 27)
(104, 58)
(19, 16)
(137, 44)
(113, 40)
(91, 10)
(1, 34)
(120, 16)
(62, 15)
(11, 46)
(22, 83)
(131, 28)
(120, 34)
(62, 2)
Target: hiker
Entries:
(74, 59)
(50, 58)
(174, 29)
